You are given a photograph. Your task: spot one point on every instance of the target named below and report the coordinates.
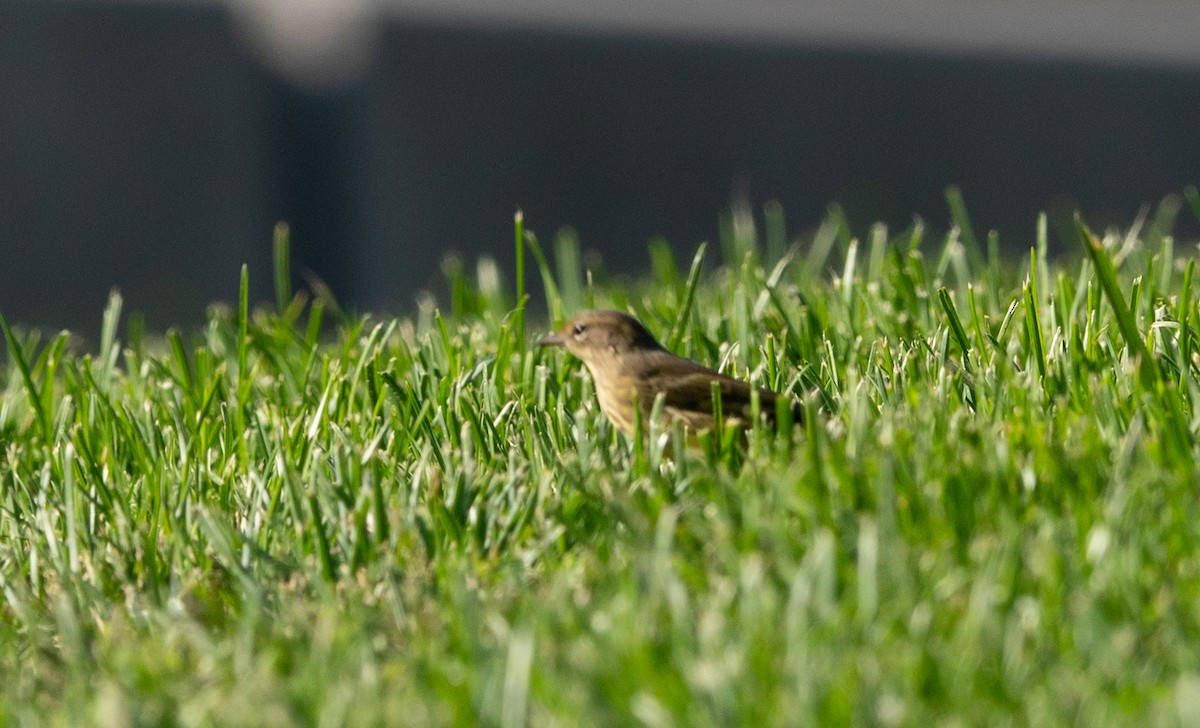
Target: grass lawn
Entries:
(295, 516)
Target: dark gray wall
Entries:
(141, 147)
(135, 151)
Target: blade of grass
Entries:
(956, 327)
(1192, 195)
(18, 357)
(1107, 274)
(243, 340)
(570, 268)
(1185, 334)
(282, 258)
(958, 213)
(108, 336)
(774, 229)
(553, 298)
(822, 244)
(1033, 322)
(689, 297)
(519, 242)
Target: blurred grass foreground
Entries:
(989, 519)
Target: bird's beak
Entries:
(551, 340)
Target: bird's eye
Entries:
(579, 329)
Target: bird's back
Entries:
(687, 390)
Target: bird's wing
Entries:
(687, 390)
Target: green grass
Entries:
(989, 519)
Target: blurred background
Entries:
(151, 145)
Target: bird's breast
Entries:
(616, 401)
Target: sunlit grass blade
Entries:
(956, 327)
(1107, 275)
(1033, 319)
(519, 242)
(679, 326)
(243, 335)
(17, 357)
(108, 336)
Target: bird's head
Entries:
(597, 335)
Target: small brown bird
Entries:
(626, 362)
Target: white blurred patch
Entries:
(318, 44)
